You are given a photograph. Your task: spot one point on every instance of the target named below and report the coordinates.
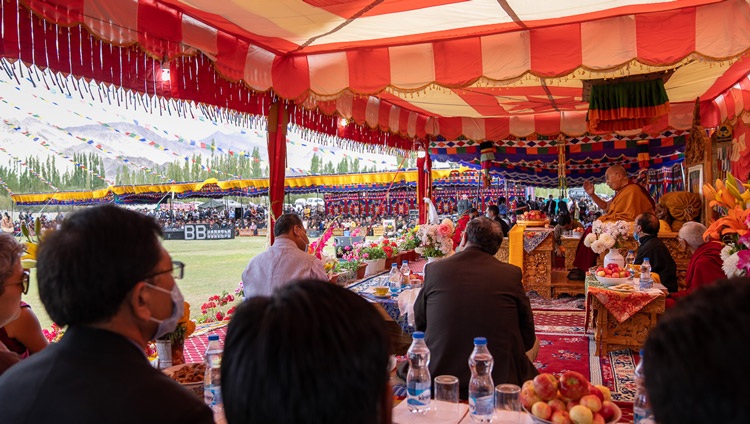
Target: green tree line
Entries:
(21, 179)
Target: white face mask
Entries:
(169, 324)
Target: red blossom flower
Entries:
(219, 316)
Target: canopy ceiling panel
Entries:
(477, 69)
(535, 160)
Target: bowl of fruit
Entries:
(533, 219)
(612, 275)
(568, 399)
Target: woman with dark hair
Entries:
(14, 280)
(310, 353)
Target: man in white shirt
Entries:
(285, 261)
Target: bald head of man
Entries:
(616, 177)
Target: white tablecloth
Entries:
(439, 413)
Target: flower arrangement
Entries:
(185, 327)
(435, 240)
(390, 247)
(732, 228)
(54, 334)
(213, 310)
(330, 265)
(606, 235)
(371, 251)
(411, 239)
(316, 248)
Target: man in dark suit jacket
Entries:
(645, 232)
(472, 294)
(106, 276)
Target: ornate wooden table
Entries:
(621, 318)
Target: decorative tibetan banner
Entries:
(627, 105)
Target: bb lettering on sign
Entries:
(203, 232)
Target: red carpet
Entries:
(559, 322)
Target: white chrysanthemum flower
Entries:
(597, 227)
(590, 238)
(730, 266)
(597, 247)
(606, 240)
(726, 251)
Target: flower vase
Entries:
(333, 278)
(390, 261)
(374, 266)
(164, 352)
(361, 271)
(178, 353)
(614, 257)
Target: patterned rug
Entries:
(563, 303)
(559, 322)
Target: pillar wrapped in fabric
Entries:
(627, 105)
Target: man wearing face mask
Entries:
(285, 261)
(106, 276)
(645, 232)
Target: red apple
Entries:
(557, 405)
(598, 419)
(624, 274)
(594, 390)
(601, 273)
(592, 402)
(601, 268)
(560, 417)
(545, 386)
(528, 395)
(573, 385)
(605, 392)
(609, 410)
(571, 403)
(541, 410)
(579, 414)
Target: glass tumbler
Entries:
(507, 404)
(446, 394)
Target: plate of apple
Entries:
(533, 218)
(612, 275)
(569, 399)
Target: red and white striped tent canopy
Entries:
(475, 69)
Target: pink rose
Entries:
(444, 230)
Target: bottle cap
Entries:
(418, 335)
(404, 262)
(213, 337)
(645, 259)
(480, 341)
(393, 265)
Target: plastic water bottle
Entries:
(212, 380)
(481, 387)
(405, 273)
(642, 412)
(645, 282)
(418, 381)
(629, 259)
(394, 279)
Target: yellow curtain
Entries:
(515, 247)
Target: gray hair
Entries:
(10, 253)
(485, 233)
(692, 233)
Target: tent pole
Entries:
(277, 123)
